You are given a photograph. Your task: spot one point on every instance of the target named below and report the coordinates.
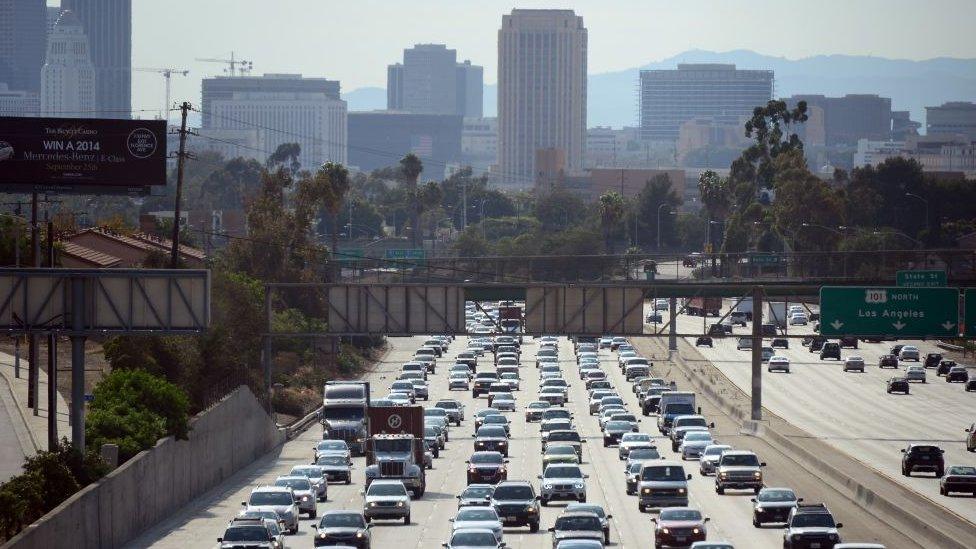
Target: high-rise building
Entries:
(378, 139)
(68, 80)
(541, 91)
(954, 117)
(23, 25)
(108, 24)
(284, 108)
(479, 143)
(18, 102)
(669, 98)
(850, 118)
(431, 81)
(53, 12)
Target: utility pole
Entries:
(32, 350)
(180, 162)
(464, 205)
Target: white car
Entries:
(512, 380)
(478, 517)
(798, 319)
(778, 363)
(661, 305)
(909, 352)
(279, 499)
(503, 401)
(629, 441)
(458, 380)
(915, 373)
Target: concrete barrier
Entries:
(155, 483)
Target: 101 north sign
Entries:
(89, 155)
(889, 311)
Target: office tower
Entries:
(108, 24)
(850, 118)
(23, 31)
(541, 91)
(284, 108)
(378, 139)
(954, 117)
(431, 81)
(669, 98)
(68, 79)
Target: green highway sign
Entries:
(970, 312)
(765, 259)
(921, 279)
(889, 311)
(351, 254)
(408, 253)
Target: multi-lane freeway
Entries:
(201, 523)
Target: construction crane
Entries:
(234, 65)
(167, 74)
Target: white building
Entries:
(872, 153)
(601, 147)
(316, 120)
(479, 143)
(18, 103)
(68, 76)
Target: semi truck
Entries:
(344, 413)
(395, 447)
(743, 309)
(510, 319)
(702, 306)
(776, 311)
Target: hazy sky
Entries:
(354, 40)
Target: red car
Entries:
(679, 527)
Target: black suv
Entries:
(780, 343)
(944, 367)
(932, 360)
(516, 504)
(922, 457)
(811, 526)
(702, 341)
(830, 350)
(848, 341)
(887, 361)
(816, 343)
(486, 468)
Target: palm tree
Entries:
(611, 211)
(411, 166)
(327, 190)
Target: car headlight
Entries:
(304, 498)
(723, 475)
(372, 504)
(501, 469)
(579, 485)
(757, 474)
(547, 486)
(502, 443)
(322, 535)
(530, 509)
(480, 443)
(399, 504)
(359, 534)
(647, 490)
(681, 490)
(665, 531)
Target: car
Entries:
(613, 430)
(576, 525)
(915, 373)
(616, 342)
(279, 499)
(816, 343)
(957, 374)
(897, 385)
(534, 410)
(848, 342)
(502, 401)
(459, 381)
(305, 493)
(570, 437)
(854, 363)
(596, 510)
(247, 533)
(693, 444)
(971, 438)
(497, 419)
(887, 361)
(909, 352)
(896, 349)
(766, 353)
(559, 454)
(944, 367)
(773, 505)
(342, 527)
(475, 495)
(739, 318)
(958, 478)
(709, 458)
(653, 318)
(512, 379)
(629, 441)
(811, 525)
(386, 499)
(554, 424)
(331, 447)
(780, 343)
(743, 343)
(271, 521)
(404, 386)
(830, 350)
(605, 342)
(679, 527)
(481, 415)
(703, 341)
(559, 482)
(477, 518)
(970, 385)
(487, 467)
(434, 439)
(662, 484)
(335, 468)
(778, 363)
(315, 475)
(491, 438)
(454, 408)
(922, 457)
(932, 360)
(632, 476)
(738, 469)
(798, 319)
(552, 395)
(516, 504)
(642, 454)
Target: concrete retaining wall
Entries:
(155, 483)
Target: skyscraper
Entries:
(541, 91)
(431, 81)
(108, 24)
(23, 32)
(68, 80)
(669, 98)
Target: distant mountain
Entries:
(911, 85)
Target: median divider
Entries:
(913, 515)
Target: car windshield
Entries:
(925, 449)
(294, 483)
(564, 436)
(538, 405)
(812, 520)
(635, 467)
(332, 460)
(352, 413)
(246, 533)
(777, 495)
(435, 412)
(311, 472)
(612, 400)
(563, 472)
(499, 420)
(332, 445)
(690, 422)
(680, 514)
(581, 522)
(740, 460)
(477, 492)
(488, 457)
(514, 492)
(716, 450)
(430, 432)
(643, 453)
(962, 470)
(476, 514)
(342, 520)
(663, 473)
(474, 539)
(383, 489)
(271, 498)
(618, 426)
(491, 431)
(700, 437)
(559, 450)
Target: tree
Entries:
(286, 155)
(559, 209)
(412, 167)
(325, 191)
(611, 212)
(657, 198)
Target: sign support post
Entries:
(757, 320)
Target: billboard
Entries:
(82, 155)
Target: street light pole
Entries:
(663, 204)
(927, 221)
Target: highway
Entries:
(200, 523)
(852, 412)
